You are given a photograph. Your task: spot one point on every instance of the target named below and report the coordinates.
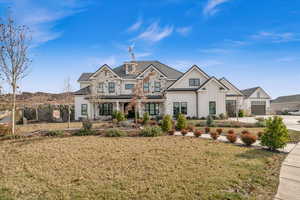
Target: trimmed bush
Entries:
(84, 132)
(248, 138)
(120, 116)
(223, 116)
(184, 132)
(152, 123)
(241, 113)
(87, 125)
(166, 123)
(198, 133)
(151, 131)
(276, 134)
(57, 133)
(219, 131)
(260, 134)
(207, 130)
(231, 136)
(214, 135)
(191, 127)
(171, 132)
(114, 132)
(146, 118)
(181, 122)
(210, 121)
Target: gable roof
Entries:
(287, 99)
(169, 72)
(140, 74)
(103, 66)
(193, 67)
(85, 76)
(233, 86)
(248, 92)
(215, 79)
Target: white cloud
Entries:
(184, 31)
(135, 26)
(96, 61)
(211, 7)
(276, 37)
(155, 33)
(41, 19)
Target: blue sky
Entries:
(251, 43)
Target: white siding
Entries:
(262, 94)
(184, 82)
(79, 100)
(189, 97)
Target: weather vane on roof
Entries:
(130, 50)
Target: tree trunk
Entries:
(69, 116)
(13, 110)
(36, 114)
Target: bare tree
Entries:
(14, 60)
(68, 98)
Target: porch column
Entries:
(164, 104)
(117, 106)
(139, 108)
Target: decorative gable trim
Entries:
(216, 80)
(155, 68)
(187, 72)
(101, 68)
(233, 86)
(259, 88)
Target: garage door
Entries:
(258, 108)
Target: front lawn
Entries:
(166, 167)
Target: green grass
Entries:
(165, 167)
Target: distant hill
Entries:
(37, 98)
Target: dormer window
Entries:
(194, 82)
(129, 68)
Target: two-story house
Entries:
(165, 90)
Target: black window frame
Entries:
(157, 86)
(105, 109)
(129, 88)
(152, 109)
(180, 108)
(194, 82)
(214, 112)
(110, 88)
(146, 87)
(84, 111)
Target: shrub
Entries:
(231, 136)
(191, 128)
(181, 122)
(214, 135)
(87, 125)
(171, 132)
(223, 116)
(166, 123)
(151, 131)
(198, 133)
(241, 113)
(184, 132)
(210, 121)
(114, 132)
(276, 134)
(120, 116)
(245, 132)
(55, 133)
(152, 123)
(248, 138)
(146, 118)
(5, 130)
(84, 132)
(207, 129)
(260, 134)
(231, 131)
(219, 131)
(114, 114)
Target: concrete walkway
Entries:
(289, 186)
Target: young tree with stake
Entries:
(14, 60)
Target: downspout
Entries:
(197, 111)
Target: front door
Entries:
(129, 111)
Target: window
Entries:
(129, 86)
(179, 107)
(84, 109)
(100, 87)
(146, 87)
(152, 108)
(212, 107)
(157, 86)
(111, 87)
(129, 68)
(105, 109)
(194, 82)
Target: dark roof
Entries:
(85, 76)
(248, 92)
(182, 89)
(142, 65)
(129, 97)
(286, 99)
(83, 91)
(225, 79)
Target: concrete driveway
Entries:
(290, 121)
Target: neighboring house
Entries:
(285, 103)
(168, 91)
(256, 101)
